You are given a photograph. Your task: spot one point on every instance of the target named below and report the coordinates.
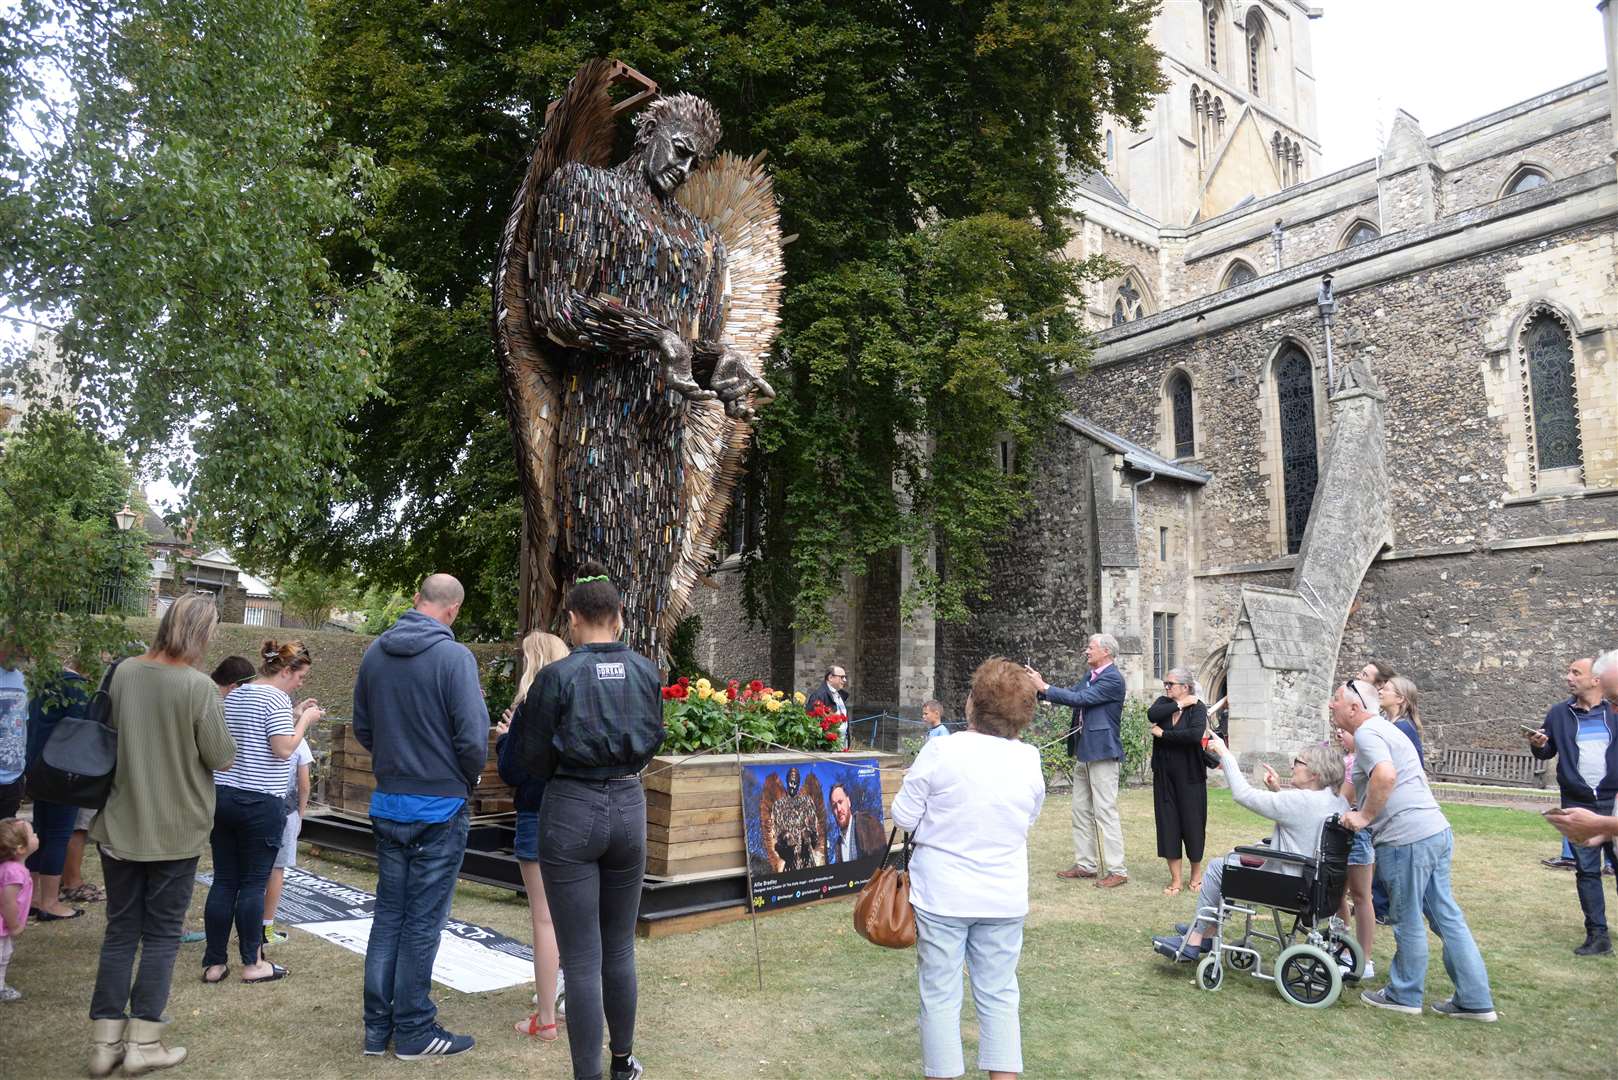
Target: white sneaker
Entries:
(1370, 970)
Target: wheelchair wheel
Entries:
(1345, 949)
(1210, 972)
(1241, 961)
(1308, 976)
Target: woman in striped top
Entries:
(250, 811)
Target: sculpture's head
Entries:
(673, 135)
(793, 781)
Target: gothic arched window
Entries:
(1525, 179)
(1127, 305)
(1109, 146)
(1547, 349)
(1240, 273)
(1255, 53)
(1361, 232)
(1212, 13)
(1180, 408)
(1295, 398)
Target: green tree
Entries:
(68, 575)
(922, 153)
(382, 608)
(311, 594)
(172, 206)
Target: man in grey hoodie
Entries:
(419, 710)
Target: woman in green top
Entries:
(171, 738)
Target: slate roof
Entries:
(1097, 184)
(1135, 455)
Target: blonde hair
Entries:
(13, 840)
(186, 627)
(538, 649)
(1406, 690)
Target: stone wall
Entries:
(1562, 153)
(875, 668)
(727, 646)
(1041, 604)
(1486, 636)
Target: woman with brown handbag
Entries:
(971, 800)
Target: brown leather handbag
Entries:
(882, 912)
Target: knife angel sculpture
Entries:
(633, 307)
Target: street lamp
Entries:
(1327, 303)
(125, 518)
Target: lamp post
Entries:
(126, 521)
(1327, 303)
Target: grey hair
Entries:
(1107, 642)
(1604, 663)
(1325, 762)
(1365, 692)
(680, 110)
(1184, 675)
(186, 627)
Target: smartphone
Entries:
(1529, 729)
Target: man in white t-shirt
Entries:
(297, 805)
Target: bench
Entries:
(1491, 767)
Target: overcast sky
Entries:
(1442, 61)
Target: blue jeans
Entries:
(1587, 877)
(1417, 877)
(991, 948)
(246, 836)
(417, 864)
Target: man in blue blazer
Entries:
(1098, 753)
(1582, 734)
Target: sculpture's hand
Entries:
(676, 352)
(732, 381)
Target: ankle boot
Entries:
(144, 1050)
(1596, 943)
(106, 1046)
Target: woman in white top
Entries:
(250, 808)
(1298, 813)
(970, 800)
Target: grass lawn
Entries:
(1096, 1000)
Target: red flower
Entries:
(755, 686)
(683, 681)
(831, 736)
(668, 693)
(680, 691)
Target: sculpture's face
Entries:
(671, 156)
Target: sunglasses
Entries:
(1349, 686)
(1300, 761)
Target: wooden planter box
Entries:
(349, 783)
(694, 809)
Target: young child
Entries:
(17, 842)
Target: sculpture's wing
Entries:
(735, 197)
(812, 789)
(580, 128)
(773, 790)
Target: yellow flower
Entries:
(722, 696)
(778, 694)
(703, 693)
(704, 685)
(797, 695)
(773, 705)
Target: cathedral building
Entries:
(1367, 414)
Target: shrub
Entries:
(1051, 725)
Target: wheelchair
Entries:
(1317, 953)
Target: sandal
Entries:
(1171, 890)
(83, 893)
(1196, 886)
(276, 972)
(223, 975)
(532, 1027)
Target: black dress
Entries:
(1179, 779)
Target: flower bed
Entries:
(701, 716)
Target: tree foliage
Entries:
(922, 153)
(68, 575)
(311, 594)
(172, 206)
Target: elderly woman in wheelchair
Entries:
(1300, 873)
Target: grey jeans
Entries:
(592, 855)
(146, 905)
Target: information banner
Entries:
(814, 829)
(472, 959)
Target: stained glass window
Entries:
(1295, 394)
(1127, 306)
(1239, 274)
(1185, 443)
(1548, 348)
(1362, 233)
(1526, 180)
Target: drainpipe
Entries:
(1134, 504)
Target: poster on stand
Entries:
(815, 829)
